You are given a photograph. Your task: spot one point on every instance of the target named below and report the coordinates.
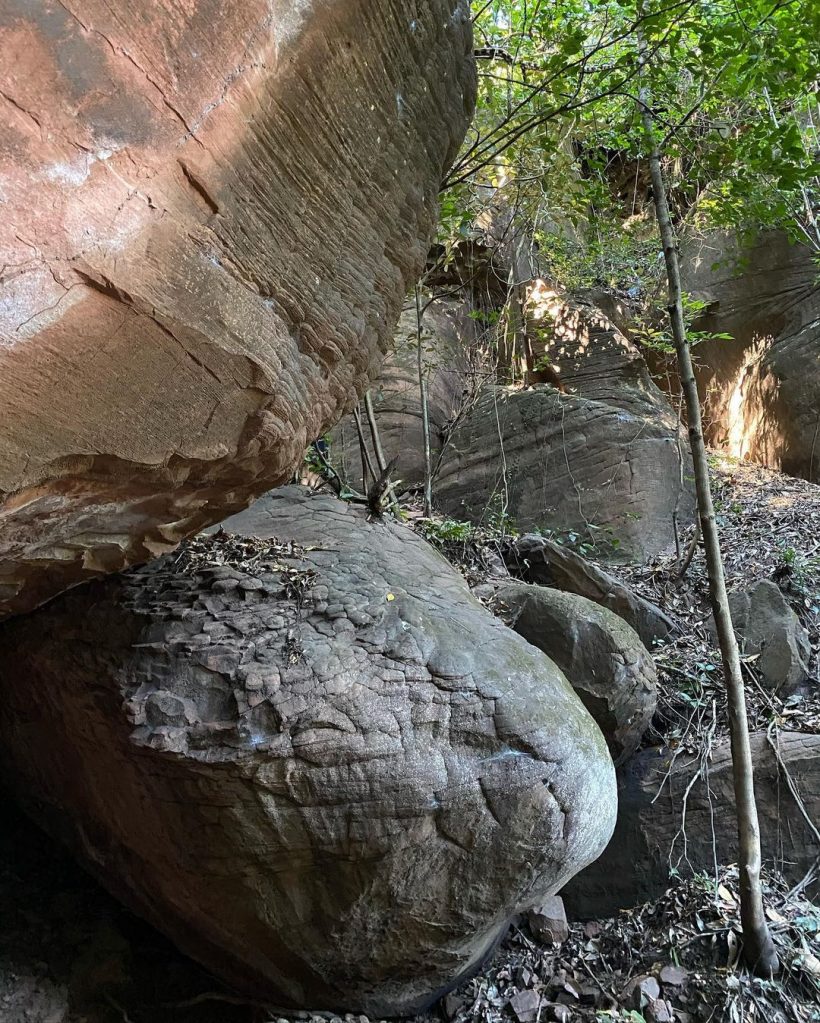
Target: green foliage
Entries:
(614, 258)
(789, 556)
(498, 519)
(597, 540)
(803, 574)
(486, 317)
(557, 136)
(446, 530)
(651, 334)
(312, 460)
(542, 363)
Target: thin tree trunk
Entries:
(377, 448)
(425, 416)
(515, 357)
(683, 568)
(679, 450)
(374, 432)
(505, 342)
(758, 947)
(523, 270)
(367, 468)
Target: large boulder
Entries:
(604, 659)
(537, 559)
(303, 750)
(602, 456)
(676, 814)
(581, 440)
(211, 215)
(761, 389)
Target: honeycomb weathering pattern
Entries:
(329, 774)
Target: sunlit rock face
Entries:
(761, 389)
(603, 456)
(211, 212)
(307, 753)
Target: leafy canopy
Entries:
(735, 92)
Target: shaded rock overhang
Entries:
(210, 217)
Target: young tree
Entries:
(758, 947)
(425, 410)
(736, 90)
(717, 100)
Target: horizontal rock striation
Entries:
(603, 457)
(211, 214)
(447, 335)
(304, 751)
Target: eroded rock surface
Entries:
(315, 761)
(768, 628)
(537, 559)
(210, 217)
(570, 433)
(604, 659)
(603, 452)
(446, 336)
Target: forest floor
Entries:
(769, 529)
(674, 960)
(71, 954)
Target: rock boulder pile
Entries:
(604, 659)
(538, 559)
(602, 455)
